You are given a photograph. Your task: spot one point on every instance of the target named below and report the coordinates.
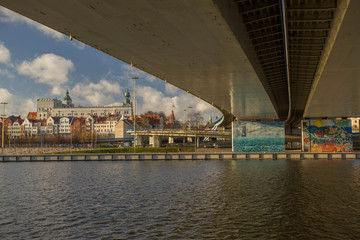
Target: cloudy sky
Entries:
(37, 62)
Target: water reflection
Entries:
(181, 200)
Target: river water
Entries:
(243, 199)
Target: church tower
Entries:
(67, 102)
(172, 117)
(127, 98)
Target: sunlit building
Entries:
(48, 107)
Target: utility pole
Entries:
(70, 142)
(3, 126)
(189, 118)
(184, 124)
(92, 131)
(134, 113)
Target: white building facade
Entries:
(65, 125)
(52, 125)
(47, 107)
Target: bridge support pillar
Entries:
(258, 136)
(154, 141)
(138, 141)
(171, 140)
(327, 135)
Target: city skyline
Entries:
(37, 62)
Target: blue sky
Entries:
(37, 62)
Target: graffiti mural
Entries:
(258, 137)
(327, 135)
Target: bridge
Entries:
(183, 133)
(156, 135)
(268, 60)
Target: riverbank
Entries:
(177, 156)
(85, 150)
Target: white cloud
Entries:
(5, 95)
(16, 105)
(170, 89)
(26, 106)
(78, 45)
(4, 54)
(130, 72)
(9, 16)
(154, 100)
(6, 73)
(48, 69)
(96, 94)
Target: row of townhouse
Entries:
(116, 124)
(16, 127)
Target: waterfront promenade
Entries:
(35, 150)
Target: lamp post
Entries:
(41, 139)
(134, 113)
(70, 142)
(189, 117)
(184, 124)
(3, 125)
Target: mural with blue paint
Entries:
(258, 136)
(327, 135)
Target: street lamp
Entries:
(134, 113)
(189, 117)
(184, 124)
(70, 142)
(3, 125)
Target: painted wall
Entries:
(258, 136)
(327, 135)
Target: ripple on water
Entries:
(181, 200)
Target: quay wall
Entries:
(175, 156)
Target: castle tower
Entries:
(127, 98)
(67, 102)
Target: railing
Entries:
(182, 133)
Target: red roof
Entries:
(32, 115)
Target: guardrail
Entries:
(177, 156)
(182, 133)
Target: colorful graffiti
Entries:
(327, 135)
(258, 137)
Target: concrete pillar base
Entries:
(259, 137)
(154, 141)
(138, 141)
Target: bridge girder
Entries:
(238, 55)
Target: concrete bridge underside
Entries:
(252, 59)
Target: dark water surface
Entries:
(253, 199)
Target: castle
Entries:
(47, 107)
